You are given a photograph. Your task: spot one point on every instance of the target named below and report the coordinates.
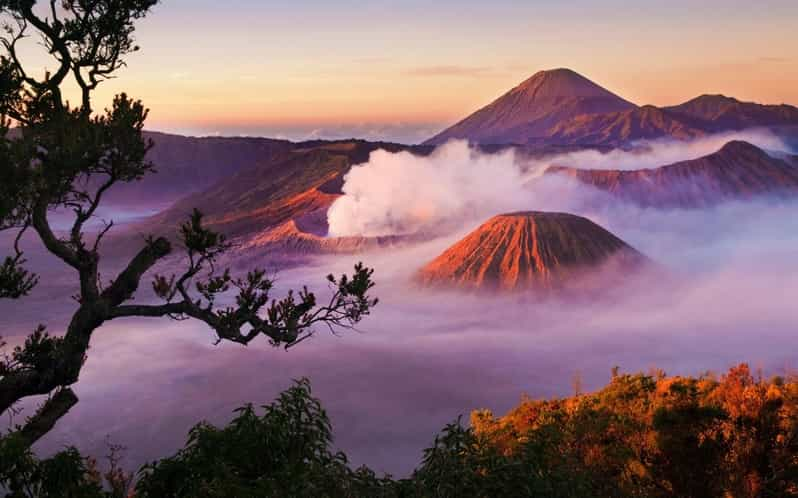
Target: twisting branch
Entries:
(54, 159)
(124, 286)
(53, 244)
(255, 313)
(83, 213)
(10, 44)
(48, 414)
(64, 157)
(107, 226)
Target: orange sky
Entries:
(266, 67)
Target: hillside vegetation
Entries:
(653, 435)
(640, 436)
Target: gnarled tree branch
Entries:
(64, 157)
(48, 414)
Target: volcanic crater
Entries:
(530, 250)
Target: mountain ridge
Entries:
(562, 107)
(738, 170)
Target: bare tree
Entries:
(55, 155)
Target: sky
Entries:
(404, 70)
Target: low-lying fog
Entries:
(424, 358)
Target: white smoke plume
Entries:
(401, 193)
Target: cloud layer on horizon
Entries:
(425, 357)
(401, 193)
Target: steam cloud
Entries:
(401, 193)
(427, 357)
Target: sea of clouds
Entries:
(423, 357)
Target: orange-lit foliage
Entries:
(652, 435)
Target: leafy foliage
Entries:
(67, 474)
(640, 436)
(39, 352)
(285, 451)
(15, 281)
(651, 435)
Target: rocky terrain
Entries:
(273, 196)
(720, 113)
(738, 170)
(533, 108)
(528, 250)
(562, 107)
(185, 165)
(622, 128)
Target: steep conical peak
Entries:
(527, 250)
(531, 110)
(561, 82)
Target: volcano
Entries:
(291, 242)
(533, 108)
(560, 107)
(529, 250)
(739, 170)
(299, 184)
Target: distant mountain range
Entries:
(272, 196)
(738, 170)
(562, 107)
(192, 164)
(296, 185)
(277, 209)
(553, 111)
(529, 250)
